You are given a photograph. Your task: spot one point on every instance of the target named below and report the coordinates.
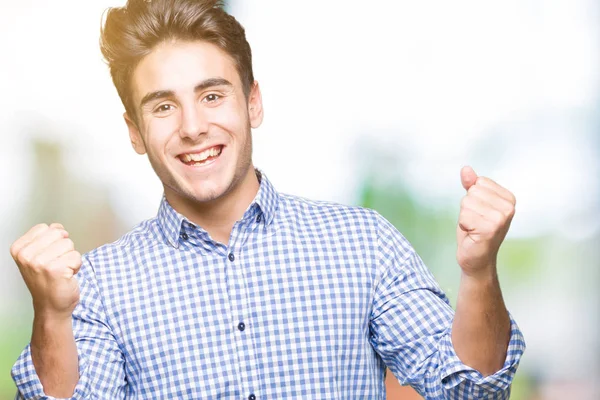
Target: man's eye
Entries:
(212, 98)
(164, 108)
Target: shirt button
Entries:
(252, 397)
(184, 236)
(241, 326)
(259, 218)
(231, 257)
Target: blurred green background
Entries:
(377, 105)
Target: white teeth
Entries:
(199, 157)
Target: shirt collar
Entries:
(267, 198)
(266, 202)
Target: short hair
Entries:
(131, 32)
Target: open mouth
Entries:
(203, 158)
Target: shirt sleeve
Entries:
(101, 362)
(411, 324)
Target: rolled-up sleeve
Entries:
(411, 326)
(101, 362)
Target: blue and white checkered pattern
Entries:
(328, 296)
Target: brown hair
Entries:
(131, 32)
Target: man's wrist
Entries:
(483, 275)
(48, 320)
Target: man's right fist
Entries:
(48, 263)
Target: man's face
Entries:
(193, 120)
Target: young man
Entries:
(235, 290)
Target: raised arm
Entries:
(73, 352)
(413, 327)
(48, 263)
(481, 327)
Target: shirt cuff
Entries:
(455, 373)
(29, 385)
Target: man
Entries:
(235, 290)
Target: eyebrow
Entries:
(205, 84)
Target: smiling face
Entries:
(194, 121)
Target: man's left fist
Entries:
(485, 215)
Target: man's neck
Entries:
(217, 217)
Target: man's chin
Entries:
(201, 190)
(191, 195)
(205, 195)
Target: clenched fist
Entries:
(48, 263)
(485, 216)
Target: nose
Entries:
(193, 122)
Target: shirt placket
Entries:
(242, 323)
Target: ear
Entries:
(255, 106)
(134, 135)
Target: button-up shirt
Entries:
(308, 300)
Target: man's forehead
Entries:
(180, 66)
